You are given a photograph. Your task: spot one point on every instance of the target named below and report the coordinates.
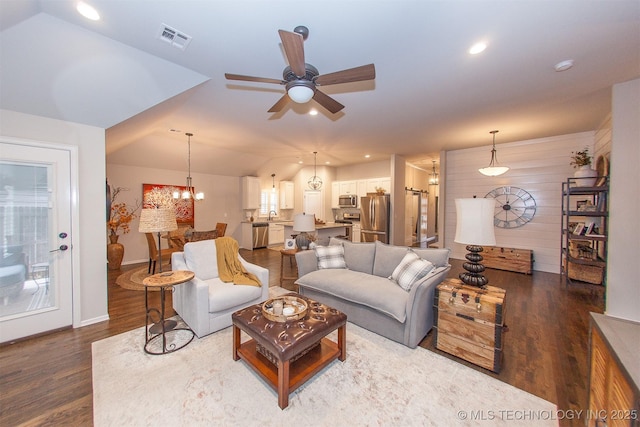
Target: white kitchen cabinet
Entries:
(246, 238)
(374, 183)
(276, 234)
(287, 191)
(355, 232)
(335, 194)
(250, 192)
(348, 187)
(361, 186)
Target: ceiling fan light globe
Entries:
(300, 94)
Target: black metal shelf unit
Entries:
(585, 213)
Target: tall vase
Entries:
(587, 176)
(115, 252)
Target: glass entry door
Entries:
(35, 250)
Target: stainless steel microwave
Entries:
(348, 201)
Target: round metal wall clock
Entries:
(514, 206)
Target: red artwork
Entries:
(160, 194)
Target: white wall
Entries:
(364, 171)
(90, 246)
(623, 286)
(222, 202)
(538, 166)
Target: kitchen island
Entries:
(323, 231)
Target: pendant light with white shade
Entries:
(493, 169)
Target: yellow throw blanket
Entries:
(230, 269)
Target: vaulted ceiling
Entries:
(429, 93)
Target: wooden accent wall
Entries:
(538, 166)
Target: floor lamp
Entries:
(157, 221)
(474, 228)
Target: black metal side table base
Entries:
(160, 328)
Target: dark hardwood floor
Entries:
(46, 380)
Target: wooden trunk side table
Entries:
(161, 327)
(469, 322)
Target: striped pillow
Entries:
(411, 269)
(330, 256)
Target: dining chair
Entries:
(165, 254)
(221, 228)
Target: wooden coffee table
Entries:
(287, 354)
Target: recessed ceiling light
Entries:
(327, 162)
(366, 156)
(87, 11)
(313, 112)
(564, 65)
(477, 48)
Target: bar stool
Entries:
(291, 254)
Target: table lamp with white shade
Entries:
(158, 220)
(474, 228)
(303, 224)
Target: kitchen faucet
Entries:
(275, 213)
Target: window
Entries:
(268, 202)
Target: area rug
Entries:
(381, 383)
(132, 279)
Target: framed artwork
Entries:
(579, 228)
(290, 244)
(589, 229)
(152, 194)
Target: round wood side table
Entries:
(161, 327)
(291, 254)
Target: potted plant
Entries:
(581, 161)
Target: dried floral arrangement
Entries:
(580, 158)
(121, 214)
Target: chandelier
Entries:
(189, 193)
(315, 183)
(433, 180)
(493, 169)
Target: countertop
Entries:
(320, 226)
(623, 336)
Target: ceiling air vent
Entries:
(174, 37)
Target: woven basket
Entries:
(586, 273)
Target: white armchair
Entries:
(206, 303)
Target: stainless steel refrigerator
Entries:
(374, 218)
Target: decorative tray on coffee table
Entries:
(293, 308)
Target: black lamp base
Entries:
(473, 276)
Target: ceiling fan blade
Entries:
(364, 72)
(253, 79)
(327, 102)
(293, 44)
(278, 106)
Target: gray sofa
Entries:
(364, 292)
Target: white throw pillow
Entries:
(411, 269)
(330, 256)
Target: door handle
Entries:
(61, 248)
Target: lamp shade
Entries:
(474, 222)
(157, 220)
(304, 223)
(493, 170)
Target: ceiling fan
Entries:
(302, 80)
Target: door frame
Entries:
(76, 310)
